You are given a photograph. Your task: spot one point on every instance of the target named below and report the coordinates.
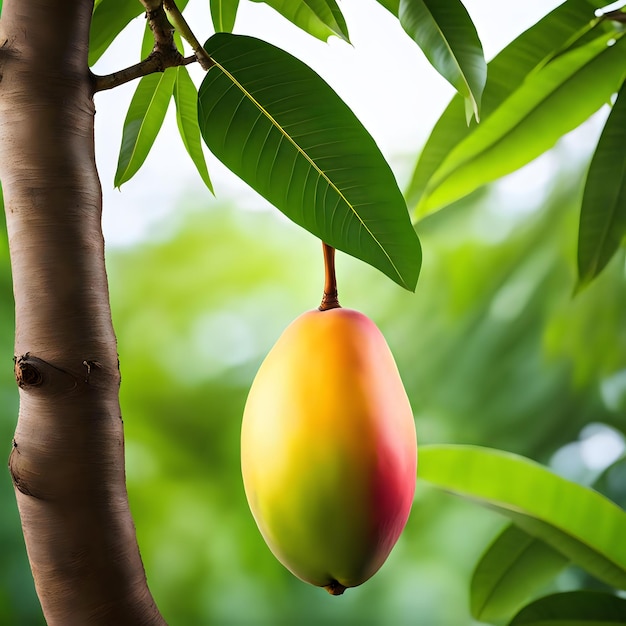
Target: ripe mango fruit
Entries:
(328, 449)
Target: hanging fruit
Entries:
(328, 447)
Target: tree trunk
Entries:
(67, 461)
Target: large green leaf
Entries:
(143, 122)
(186, 99)
(511, 569)
(603, 211)
(446, 34)
(505, 73)
(574, 608)
(276, 124)
(551, 102)
(577, 521)
(110, 17)
(223, 14)
(320, 18)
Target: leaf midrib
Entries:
(311, 162)
(454, 57)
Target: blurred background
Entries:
(493, 348)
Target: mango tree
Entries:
(277, 124)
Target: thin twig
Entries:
(154, 63)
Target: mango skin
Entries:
(328, 449)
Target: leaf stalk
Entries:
(179, 22)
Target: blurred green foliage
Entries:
(493, 350)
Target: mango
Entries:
(328, 449)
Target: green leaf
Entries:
(551, 102)
(505, 73)
(574, 608)
(446, 34)
(603, 211)
(393, 6)
(320, 18)
(143, 122)
(109, 18)
(276, 124)
(516, 564)
(612, 482)
(511, 569)
(577, 521)
(147, 43)
(186, 99)
(223, 14)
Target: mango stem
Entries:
(330, 299)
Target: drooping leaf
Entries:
(276, 124)
(551, 102)
(109, 18)
(517, 564)
(223, 14)
(603, 211)
(143, 122)
(505, 73)
(446, 34)
(577, 521)
(186, 99)
(574, 608)
(514, 566)
(320, 18)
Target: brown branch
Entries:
(156, 62)
(162, 30)
(164, 53)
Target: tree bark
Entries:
(67, 460)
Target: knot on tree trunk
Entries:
(27, 374)
(32, 372)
